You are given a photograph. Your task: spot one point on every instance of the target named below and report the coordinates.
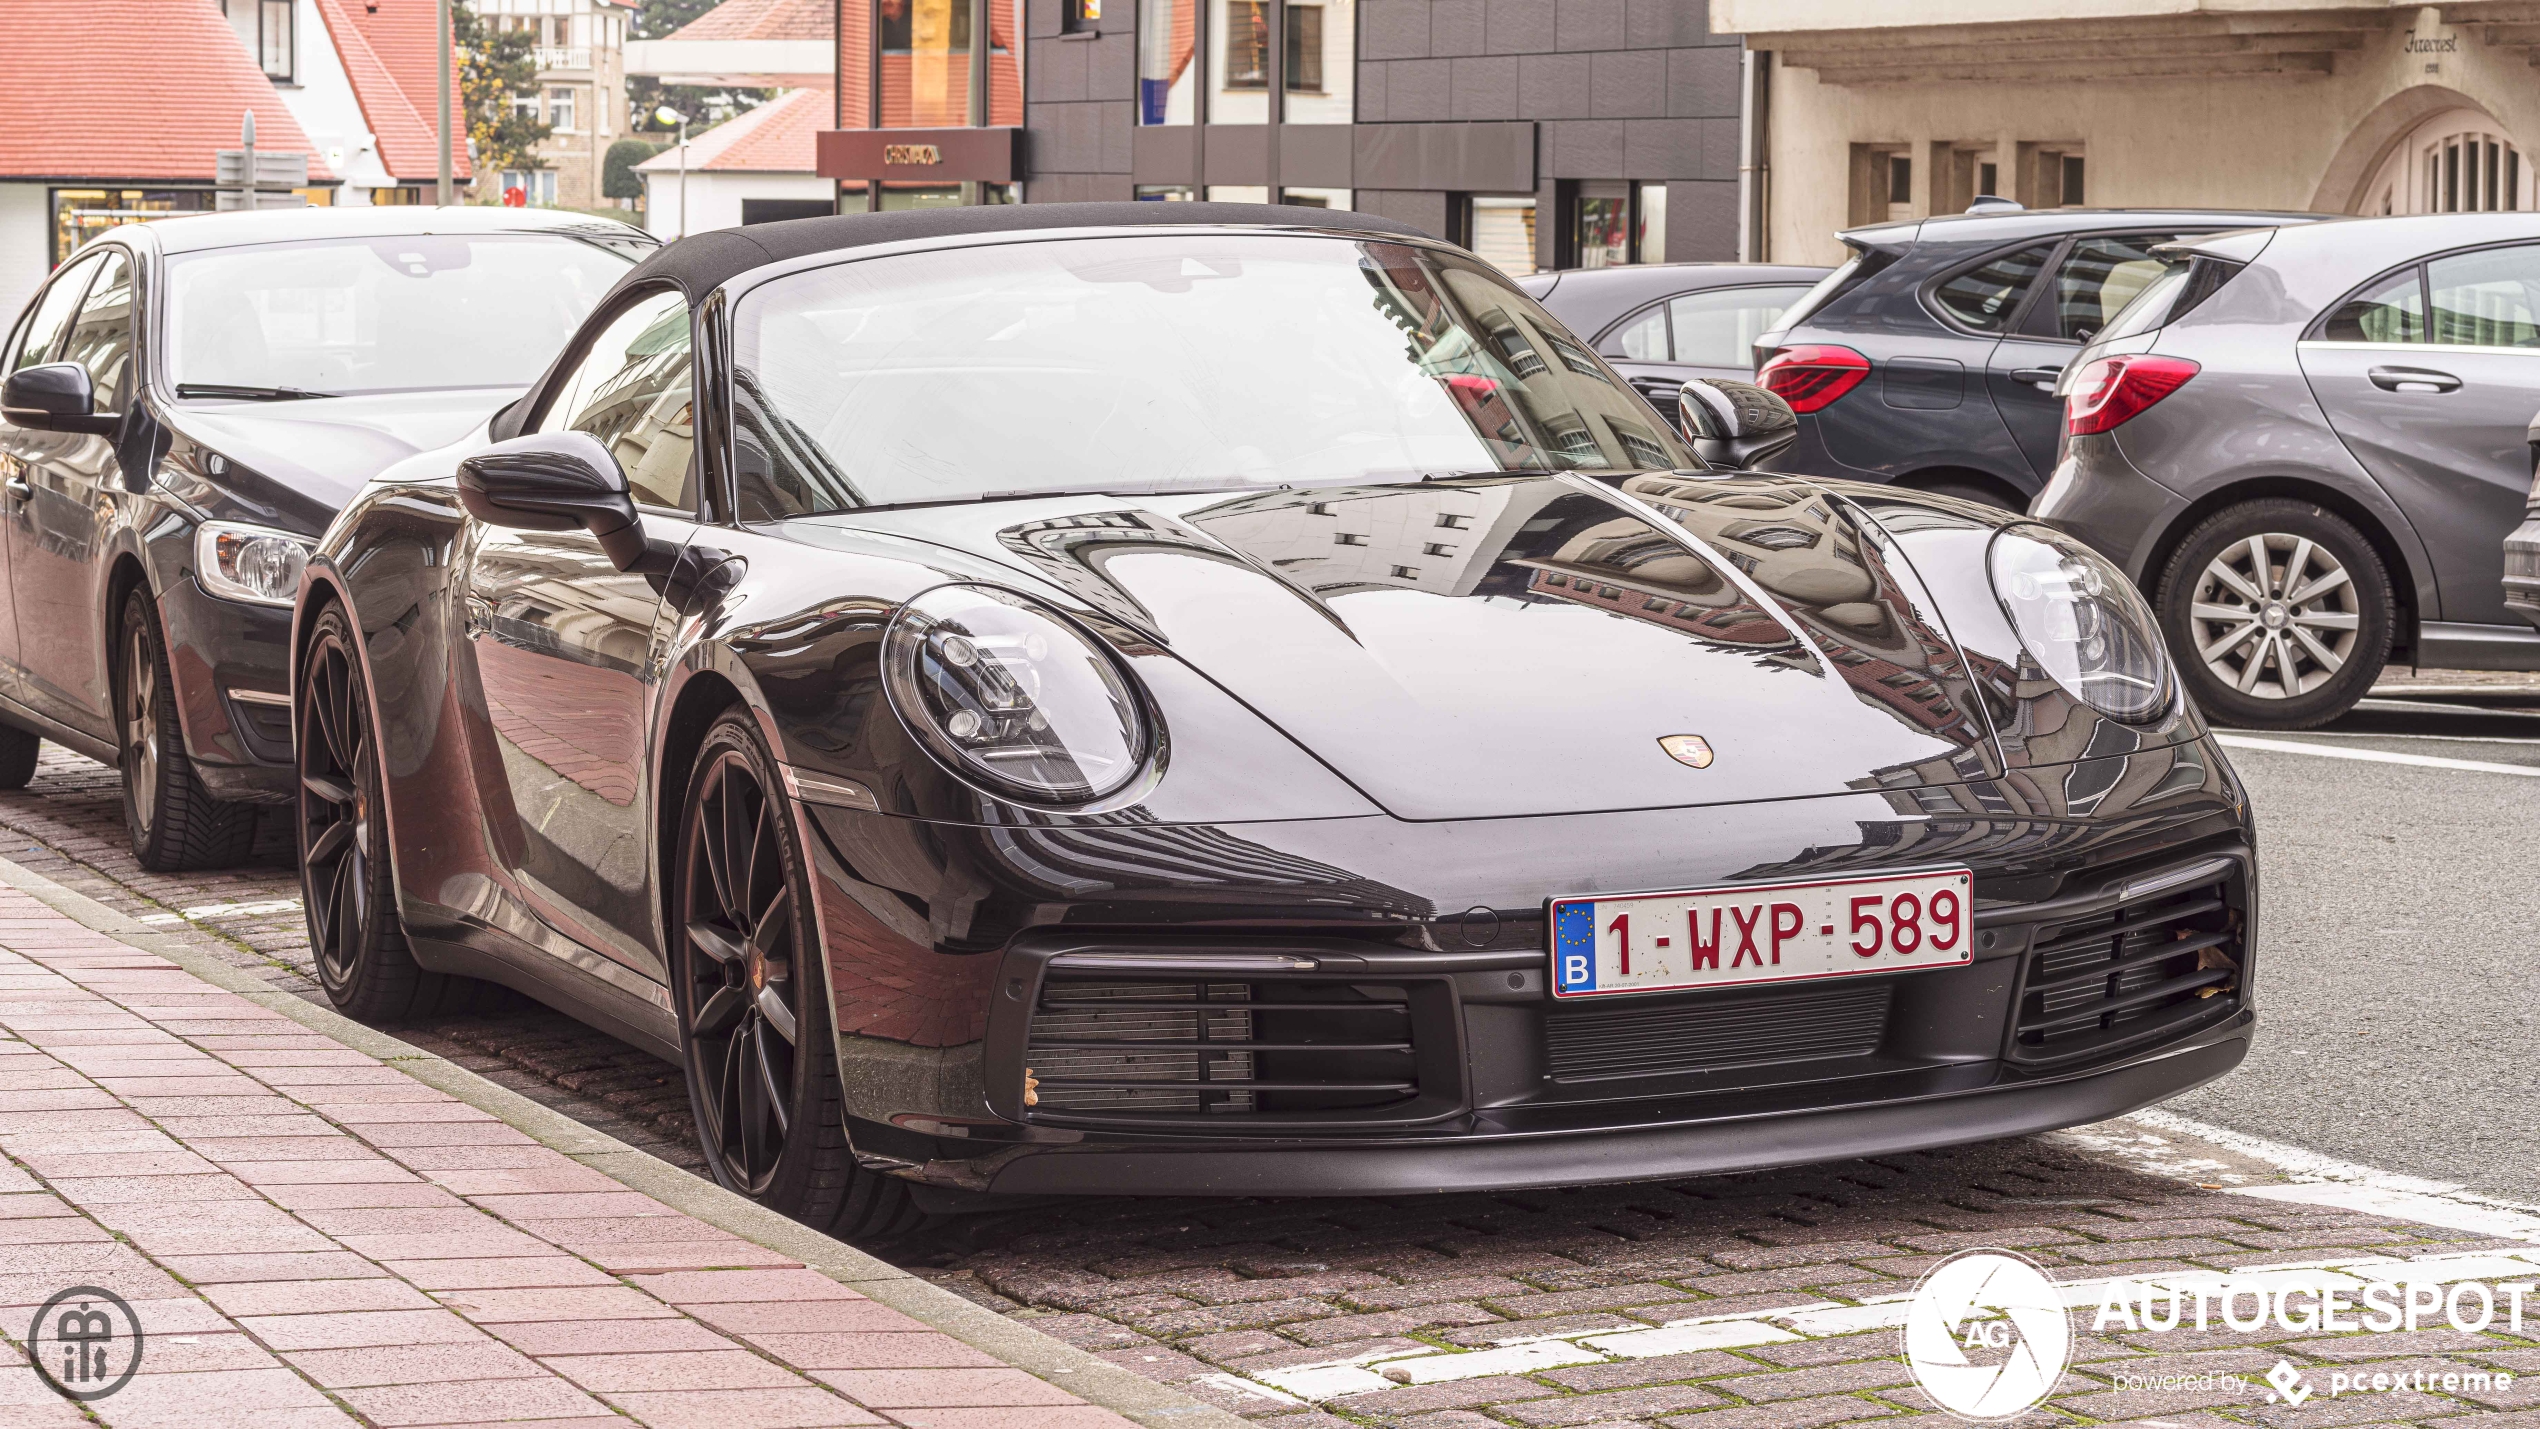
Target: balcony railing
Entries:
(564, 57)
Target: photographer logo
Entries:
(1986, 1335)
(86, 1342)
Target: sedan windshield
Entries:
(336, 317)
(1172, 361)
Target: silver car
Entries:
(2308, 446)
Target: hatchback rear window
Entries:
(1855, 271)
(1986, 296)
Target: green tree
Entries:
(497, 68)
(618, 178)
(656, 18)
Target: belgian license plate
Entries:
(1761, 933)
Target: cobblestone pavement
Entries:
(1749, 1302)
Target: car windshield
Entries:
(1188, 360)
(337, 317)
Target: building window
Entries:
(1078, 17)
(81, 214)
(1305, 49)
(1165, 193)
(525, 106)
(535, 186)
(560, 110)
(1600, 226)
(1315, 198)
(265, 26)
(1167, 32)
(1649, 224)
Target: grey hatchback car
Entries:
(2308, 444)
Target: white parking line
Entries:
(203, 911)
(2373, 756)
(2349, 1186)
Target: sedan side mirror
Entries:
(1734, 424)
(54, 397)
(555, 481)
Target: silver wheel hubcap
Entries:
(2274, 616)
(141, 727)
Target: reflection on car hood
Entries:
(312, 455)
(1521, 645)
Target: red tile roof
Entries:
(405, 37)
(409, 146)
(762, 20)
(775, 138)
(131, 89)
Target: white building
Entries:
(755, 168)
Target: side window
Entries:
(2392, 310)
(2099, 276)
(53, 314)
(101, 337)
(2488, 299)
(1984, 297)
(1641, 338)
(1719, 328)
(632, 391)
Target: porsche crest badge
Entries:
(1690, 749)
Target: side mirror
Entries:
(556, 481)
(54, 397)
(1734, 424)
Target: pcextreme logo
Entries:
(1986, 1334)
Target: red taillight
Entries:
(2114, 390)
(1811, 375)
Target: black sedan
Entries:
(186, 404)
(1208, 699)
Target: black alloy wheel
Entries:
(2278, 614)
(174, 821)
(346, 885)
(753, 1010)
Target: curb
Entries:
(1096, 1381)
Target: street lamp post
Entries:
(668, 115)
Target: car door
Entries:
(2430, 376)
(2095, 275)
(36, 340)
(1709, 332)
(58, 525)
(566, 646)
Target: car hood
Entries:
(1523, 645)
(305, 459)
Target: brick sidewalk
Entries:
(311, 1237)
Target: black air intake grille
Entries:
(2146, 967)
(1595, 1043)
(1124, 1047)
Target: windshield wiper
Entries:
(251, 394)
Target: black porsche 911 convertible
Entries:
(1213, 699)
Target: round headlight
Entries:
(2083, 622)
(1009, 694)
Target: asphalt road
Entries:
(2399, 949)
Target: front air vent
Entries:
(1593, 1043)
(2152, 966)
(1112, 1048)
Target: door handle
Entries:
(2041, 378)
(18, 489)
(2413, 379)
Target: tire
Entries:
(174, 821)
(2249, 654)
(346, 886)
(770, 1113)
(18, 752)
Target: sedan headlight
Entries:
(1011, 695)
(255, 564)
(2083, 622)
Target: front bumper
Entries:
(1752, 1142)
(2522, 568)
(231, 662)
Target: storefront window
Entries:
(1005, 72)
(1649, 241)
(1165, 193)
(925, 64)
(1602, 230)
(1504, 234)
(1167, 31)
(902, 196)
(1315, 198)
(1320, 61)
(81, 214)
(1238, 193)
(1239, 62)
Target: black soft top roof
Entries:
(701, 263)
